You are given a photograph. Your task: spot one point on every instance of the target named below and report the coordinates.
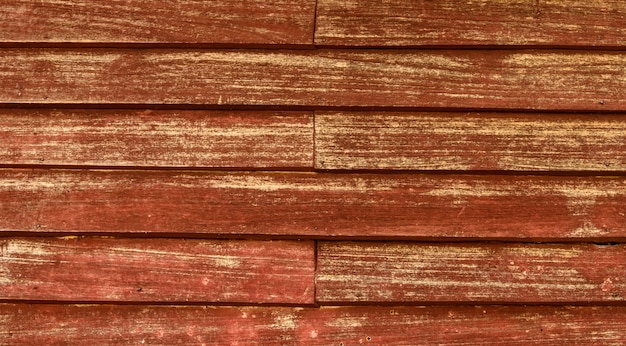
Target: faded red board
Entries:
(157, 270)
(462, 325)
(145, 21)
(470, 141)
(556, 80)
(313, 204)
(151, 138)
(482, 23)
(494, 273)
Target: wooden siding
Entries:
(470, 141)
(496, 79)
(296, 204)
(354, 325)
(544, 23)
(157, 138)
(157, 270)
(288, 22)
(312, 172)
(486, 273)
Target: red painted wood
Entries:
(397, 325)
(157, 270)
(144, 21)
(481, 23)
(187, 67)
(470, 141)
(414, 206)
(499, 79)
(493, 273)
(162, 138)
(313, 204)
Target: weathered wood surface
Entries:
(157, 270)
(313, 204)
(166, 146)
(470, 141)
(552, 23)
(165, 22)
(495, 273)
(441, 325)
(239, 139)
(551, 80)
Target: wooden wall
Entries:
(313, 172)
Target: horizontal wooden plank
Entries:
(156, 270)
(413, 206)
(470, 141)
(144, 21)
(494, 273)
(256, 139)
(555, 80)
(481, 23)
(165, 325)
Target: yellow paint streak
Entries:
(25, 248)
(269, 184)
(223, 261)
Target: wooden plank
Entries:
(396, 325)
(470, 141)
(494, 273)
(156, 270)
(465, 23)
(144, 21)
(554, 80)
(256, 139)
(412, 206)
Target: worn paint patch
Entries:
(401, 272)
(468, 141)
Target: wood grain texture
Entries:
(471, 23)
(534, 80)
(470, 141)
(156, 270)
(313, 204)
(394, 325)
(144, 21)
(255, 139)
(493, 273)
